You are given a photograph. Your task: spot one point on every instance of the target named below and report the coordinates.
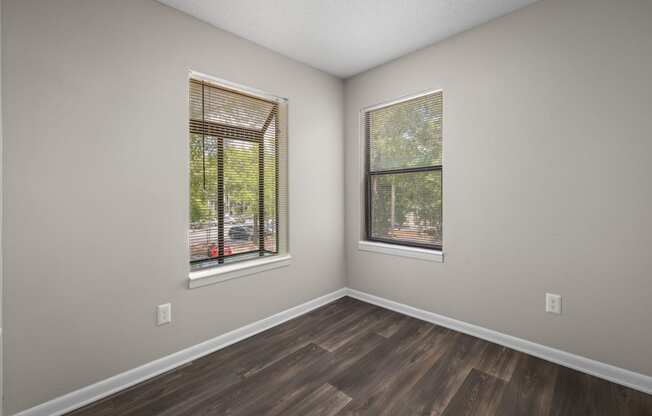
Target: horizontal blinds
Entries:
(235, 144)
(406, 135)
(404, 172)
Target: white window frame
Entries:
(225, 272)
(365, 245)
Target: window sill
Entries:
(403, 251)
(233, 271)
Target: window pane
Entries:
(406, 135)
(406, 207)
(203, 235)
(241, 211)
(236, 144)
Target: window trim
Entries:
(376, 244)
(223, 272)
(402, 251)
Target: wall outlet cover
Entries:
(553, 303)
(164, 314)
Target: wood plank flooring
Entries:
(353, 358)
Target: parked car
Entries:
(196, 225)
(241, 232)
(228, 219)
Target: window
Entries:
(237, 194)
(404, 172)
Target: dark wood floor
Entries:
(352, 358)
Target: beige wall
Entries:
(546, 177)
(96, 184)
(546, 183)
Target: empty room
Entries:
(326, 207)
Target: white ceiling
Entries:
(345, 37)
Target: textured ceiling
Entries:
(345, 37)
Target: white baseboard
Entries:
(608, 372)
(104, 388)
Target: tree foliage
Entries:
(241, 179)
(405, 136)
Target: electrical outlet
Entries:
(553, 303)
(164, 314)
